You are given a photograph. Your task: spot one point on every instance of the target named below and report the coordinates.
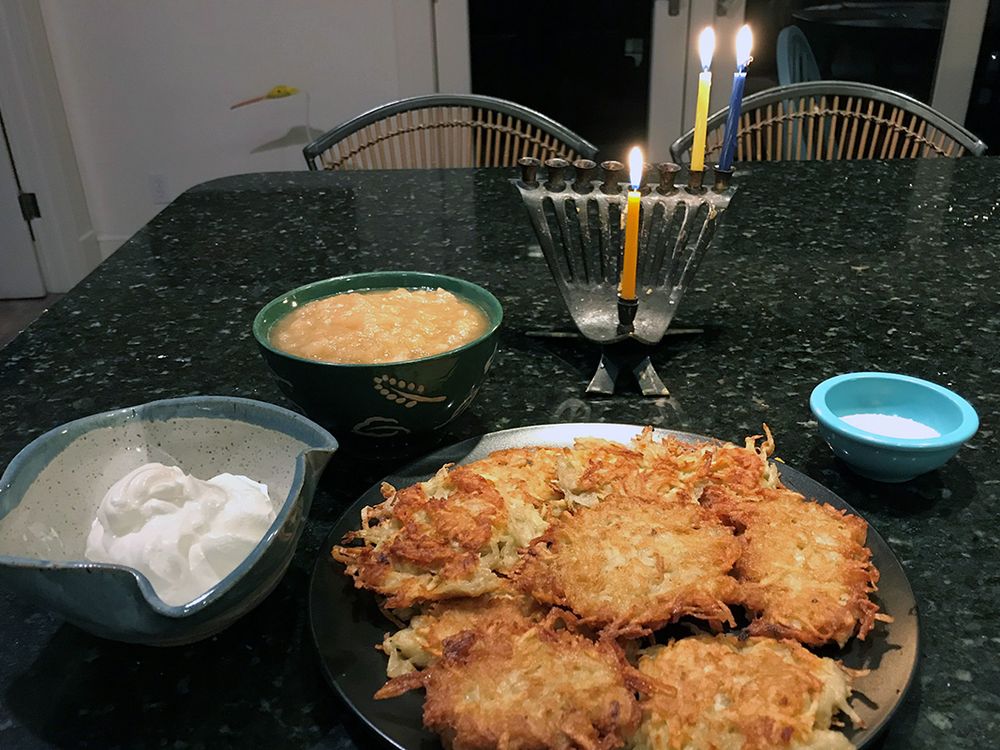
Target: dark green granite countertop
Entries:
(827, 268)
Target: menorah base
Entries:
(611, 365)
(627, 355)
(608, 369)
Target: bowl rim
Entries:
(192, 407)
(263, 339)
(966, 428)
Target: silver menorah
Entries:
(580, 227)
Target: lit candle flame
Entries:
(635, 167)
(744, 43)
(706, 47)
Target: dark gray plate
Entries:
(347, 624)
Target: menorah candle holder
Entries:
(580, 227)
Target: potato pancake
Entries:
(420, 643)
(723, 693)
(745, 468)
(805, 572)
(526, 473)
(630, 565)
(539, 688)
(665, 469)
(446, 537)
(528, 575)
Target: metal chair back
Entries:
(445, 130)
(827, 120)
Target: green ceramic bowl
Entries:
(382, 400)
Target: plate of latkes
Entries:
(612, 586)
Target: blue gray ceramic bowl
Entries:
(891, 459)
(387, 400)
(50, 492)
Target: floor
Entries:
(17, 314)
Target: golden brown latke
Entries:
(744, 469)
(721, 693)
(665, 469)
(419, 644)
(629, 538)
(631, 564)
(446, 537)
(805, 572)
(526, 473)
(538, 688)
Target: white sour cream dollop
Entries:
(184, 534)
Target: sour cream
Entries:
(184, 534)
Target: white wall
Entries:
(147, 86)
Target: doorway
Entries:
(584, 63)
(20, 273)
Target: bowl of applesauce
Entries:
(383, 354)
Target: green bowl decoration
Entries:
(382, 400)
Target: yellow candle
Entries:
(706, 48)
(631, 258)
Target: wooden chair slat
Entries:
(810, 131)
(853, 110)
(820, 123)
(359, 158)
(780, 131)
(951, 147)
(913, 131)
(758, 140)
(927, 152)
(799, 125)
(488, 138)
(891, 134)
(876, 126)
(505, 162)
(376, 145)
(547, 149)
(832, 124)
(420, 132)
(517, 140)
(478, 138)
(369, 149)
(462, 149)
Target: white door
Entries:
(956, 65)
(20, 275)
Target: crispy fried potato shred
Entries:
(522, 584)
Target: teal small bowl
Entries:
(50, 492)
(891, 459)
(390, 400)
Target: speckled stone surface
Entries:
(825, 268)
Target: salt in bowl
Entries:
(888, 458)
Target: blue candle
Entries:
(744, 41)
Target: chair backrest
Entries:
(796, 61)
(835, 120)
(444, 130)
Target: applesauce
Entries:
(379, 326)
